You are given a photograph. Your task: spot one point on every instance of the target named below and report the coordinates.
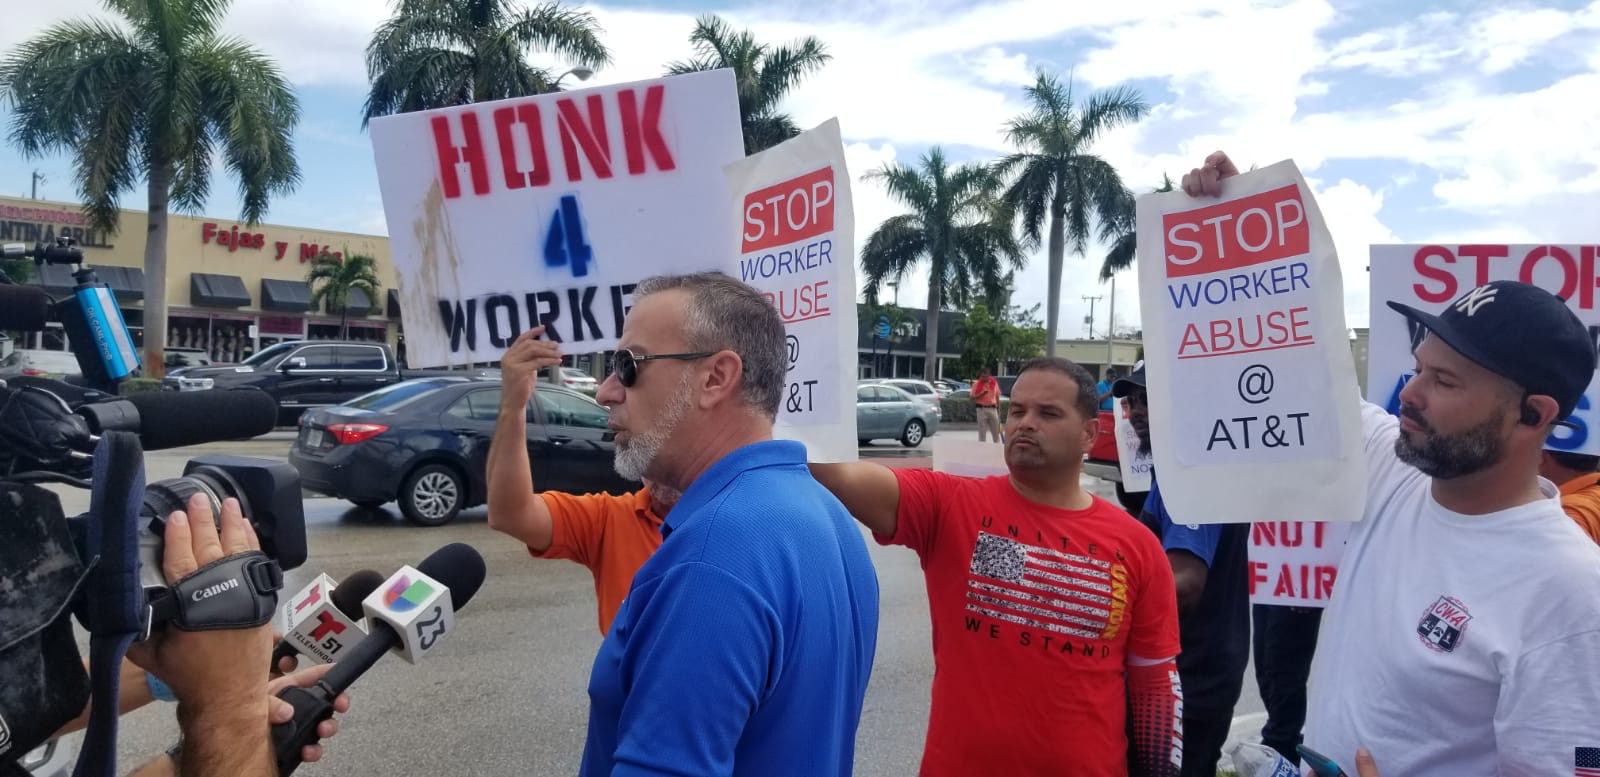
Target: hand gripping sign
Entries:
(546, 210)
(1430, 276)
(796, 244)
(1253, 396)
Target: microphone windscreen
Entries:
(350, 592)
(459, 567)
(173, 419)
(23, 308)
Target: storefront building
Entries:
(231, 290)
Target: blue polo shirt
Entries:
(745, 644)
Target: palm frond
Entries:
(571, 34)
(785, 67)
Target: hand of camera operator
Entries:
(224, 713)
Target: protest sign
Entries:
(548, 209)
(1243, 307)
(968, 457)
(1135, 465)
(1295, 563)
(796, 244)
(1430, 277)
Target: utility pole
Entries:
(38, 177)
(1091, 301)
(1111, 325)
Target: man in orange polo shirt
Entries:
(1580, 487)
(611, 535)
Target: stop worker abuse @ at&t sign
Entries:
(1243, 305)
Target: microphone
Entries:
(169, 419)
(320, 621)
(23, 307)
(421, 601)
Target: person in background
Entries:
(1103, 389)
(1285, 641)
(1461, 635)
(1574, 474)
(986, 397)
(745, 643)
(612, 535)
(1211, 574)
(1051, 607)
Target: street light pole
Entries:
(1111, 325)
(582, 73)
(1091, 301)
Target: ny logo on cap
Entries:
(1475, 299)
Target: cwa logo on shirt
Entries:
(1444, 624)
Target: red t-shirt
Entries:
(1035, 611)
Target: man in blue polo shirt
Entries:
(745, 643)
(1211, 572)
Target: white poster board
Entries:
(1135, 466)
(1295, 563)
(968, 457)
(796, 244)
(1244, 321)
(1429, 277)
(548, 209)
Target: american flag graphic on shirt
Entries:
(1046, 589)
(1586, 761)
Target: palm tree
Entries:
(160, 96)
(438, 53)
(337, 278)
(1125, 247)
(956, 224)
(764, 75)
(1056, 176)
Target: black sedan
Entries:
(425, 442)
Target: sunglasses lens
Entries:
(625, 367)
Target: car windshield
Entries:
(264, 356)
(393, 397)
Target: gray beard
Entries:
(633, 458)
(1459, 455)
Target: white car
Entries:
(38, 363)
(578, 380)
(920, 390)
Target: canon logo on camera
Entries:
(208, 592)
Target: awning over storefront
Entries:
(292, 296)
(358, 304)
(126, 282)
(394, 303)
(217, 291)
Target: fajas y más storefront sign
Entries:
(234, 239)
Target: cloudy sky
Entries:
(1455, 122)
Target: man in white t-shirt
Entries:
(1463, 636)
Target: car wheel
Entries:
(432, 495)
(368, 504)
(912, 437)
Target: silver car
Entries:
(886, 412)
(921, 390)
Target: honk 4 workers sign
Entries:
(1430, 277)
(796, 244)
(1253, 396)
(547, 210)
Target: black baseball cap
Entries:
(1125, 386)
(1520, 332)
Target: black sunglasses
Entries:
(625, 363)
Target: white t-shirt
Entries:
(1459, 645)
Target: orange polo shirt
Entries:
(1581, 499)
(611, 535)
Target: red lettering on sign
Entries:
(643, 133)
(470, 153)
(588, 133)
(788, 212)
(231, 238)
(1248, 334)
(802, 304)
(326, 624)
(527, 117)
(1251, 230)
(1305, 582)
(1445, 274)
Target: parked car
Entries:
(1103, 461)
(304, 374)
(39, 363)
(886, 412)
(578, 380)
(425, 443)
(184, 358)
(922, 390)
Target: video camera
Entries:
(104, 566)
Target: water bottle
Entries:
(1251, 759)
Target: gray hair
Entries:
(726, 315)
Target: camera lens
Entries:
(164, 497)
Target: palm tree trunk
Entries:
(1057, 254)
(155, 272)
(931, 330)
(344, 318)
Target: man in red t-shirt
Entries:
(1051, 607)
(986, 396)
